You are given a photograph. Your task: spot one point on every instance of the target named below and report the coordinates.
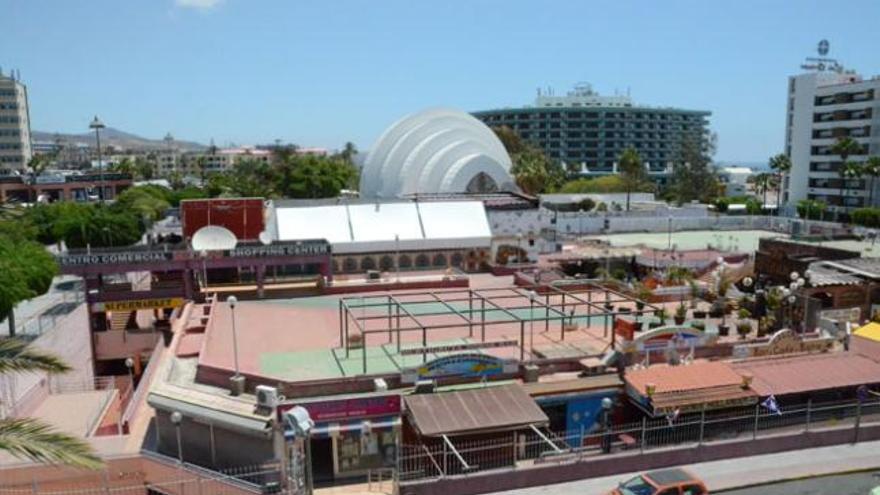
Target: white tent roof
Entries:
(372, 227)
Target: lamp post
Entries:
(176, 419)
(397, 256)
(519, 254)
(237, 381)
(129, 363)
(97, 125)
(532, 297)
(606, 424)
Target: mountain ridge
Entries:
(117, 138)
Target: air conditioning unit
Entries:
(267, 396)
(425, 387)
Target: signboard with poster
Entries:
(471, 365)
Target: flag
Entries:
(670, 418)
(771, 405)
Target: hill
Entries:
(117, 138)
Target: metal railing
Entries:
(523, 450)
(146, 379)
(48, 317)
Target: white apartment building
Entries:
(825, 104)
(15, 124)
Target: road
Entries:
(847, 484)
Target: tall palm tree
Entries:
(631, 171)
(781, 164)
(849, 170)
(871, 168)
(29, 438)
(844, 147)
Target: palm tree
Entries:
(844, 147)
(631, 171)
(849, 170)
(871, 168)
(780, 163)
(762, 183)
(29, 438)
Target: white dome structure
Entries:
(436, 151)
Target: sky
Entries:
(323, 72)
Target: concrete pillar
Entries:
(261, 276)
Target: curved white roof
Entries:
(434, 151)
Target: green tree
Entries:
(142, 169)
(512, 142)
(695, 178)
(848, 171)
(844, 147)
(124, 166)
(26, 271)
(149, 202)
(313, 176)
(28, 438)
(781, 164)
(535, 173)
(763, 183)
(871, 168)
(248, 178)
(811, 209)
(631, 171)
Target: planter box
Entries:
(700, 315)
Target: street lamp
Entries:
(532, 296)
(606, 424)
(397, 255)
(129, 363)
(97, 125)
(176, 419)
(236, 383)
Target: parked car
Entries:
(674, 481)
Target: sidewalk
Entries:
(745, 471)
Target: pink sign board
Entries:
(346, 409)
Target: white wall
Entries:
(70, 341)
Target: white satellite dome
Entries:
(436, 151)
(213, 238)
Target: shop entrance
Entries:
(322, 459)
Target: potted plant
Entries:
(765, 324)
(699, 314)
(743, 328)
(723, 330)
(695, 293)
(680, 314)
(643, 294)
(661, 315)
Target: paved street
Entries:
(732, 473)
(849, 484)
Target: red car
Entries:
(673, 481)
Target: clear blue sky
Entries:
(318, 73)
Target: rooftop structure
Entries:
(435, 151)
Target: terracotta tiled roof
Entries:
(695, 376)
(791, 375)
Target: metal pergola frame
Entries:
(397, 312)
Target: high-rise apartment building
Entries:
(827, 103)
(15, 124)
(588, 131)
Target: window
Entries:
(637, 486)
(692, 490)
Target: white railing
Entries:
(146, 379)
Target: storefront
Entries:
(573, 406)
(352, 436)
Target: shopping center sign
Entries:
(471, 365)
